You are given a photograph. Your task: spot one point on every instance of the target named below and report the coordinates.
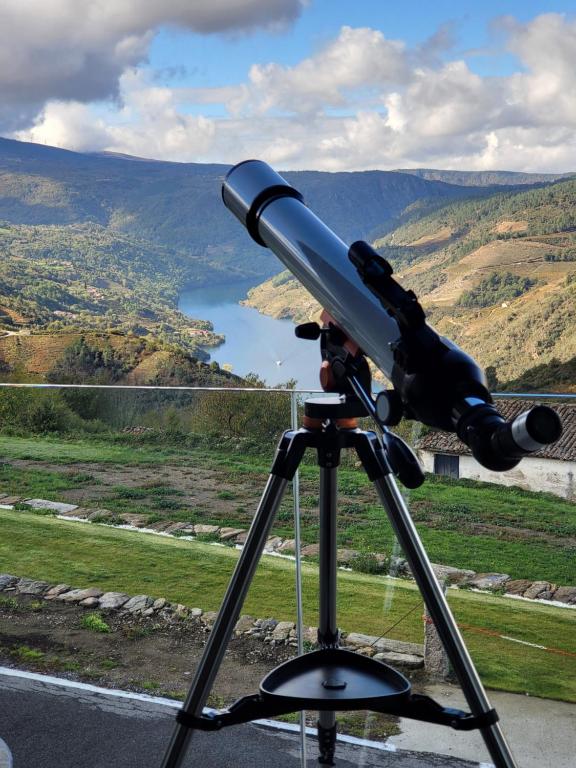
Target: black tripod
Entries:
(331, 679)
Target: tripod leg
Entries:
(372, 455)
(327, 731)
(327, 625)
(289, 454)
(373, 458)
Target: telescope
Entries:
(366, 313)
(434, 381)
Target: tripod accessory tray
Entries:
(330, 679)
(335, 680)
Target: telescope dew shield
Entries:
(275, 216)
(260, 188)
(438, 383)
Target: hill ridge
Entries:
(100, 242)
(497, 275)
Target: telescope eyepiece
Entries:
(529, 432)
(498, 444)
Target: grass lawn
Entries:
(466, 524)
(62, 451)
(196, 575)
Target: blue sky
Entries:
(301, 83)
(216, 60)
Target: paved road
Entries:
(48, 725)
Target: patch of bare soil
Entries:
(214, 494)
(197, 487)
(510, 226)
(424, 513)
(145, 655)
(138, 653)
(497, 532)
(440, 236)
(510, 533)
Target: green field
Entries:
(473, 525)
(196, 574)
(67, 451)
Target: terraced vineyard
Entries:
(447, 255)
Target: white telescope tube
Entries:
(313, 253)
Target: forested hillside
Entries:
(109, 357)
(496, 275)
(485, 178)
(178, 205)
(62, 278)
(104, 243)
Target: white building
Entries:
(552, 470)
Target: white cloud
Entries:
(71, 125)
(443, 102)
(362, 101)
(148, 124)
(357, 59)
(546, 93)
(71, 50)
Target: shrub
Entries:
(226, 495)
(95, 623)
(36, 412)
(81, 363)
(495, 289)
(208, 538)
(9, 604)
(25, 653)
(459, 513)
(283, 277)
(367, 562)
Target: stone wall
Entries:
(407, 656)
(348, 558)
(267, 630)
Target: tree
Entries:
(82, 363)
(491, 378)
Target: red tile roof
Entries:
(563, 449)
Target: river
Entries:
(255, 343)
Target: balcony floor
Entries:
(50, 724)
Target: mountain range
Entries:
(104, 243)
(179, 206)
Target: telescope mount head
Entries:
(342, 359)
(345, 371)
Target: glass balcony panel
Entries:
(150, 493)
(144, 494)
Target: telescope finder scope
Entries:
(436, 382)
